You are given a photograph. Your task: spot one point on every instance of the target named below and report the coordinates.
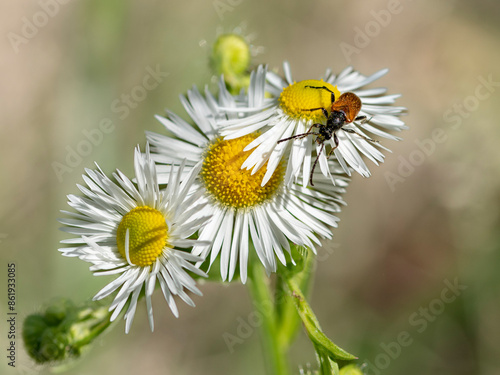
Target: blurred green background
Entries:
(398, 245)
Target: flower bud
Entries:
(231, 57)
(63, 330)
(350, 370)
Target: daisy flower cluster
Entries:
(270, 216)
(221, 189)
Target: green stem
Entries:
(95, 330)
(274, 351)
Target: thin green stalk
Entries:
(95, 331)
(274, 351)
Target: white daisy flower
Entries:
(242, 210)
(138, 232)
(296, 106)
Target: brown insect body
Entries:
(344, 110)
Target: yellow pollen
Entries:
(230, 185)
(296, 99)
(148, 234)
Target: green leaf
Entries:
(288, 320)
(334, 352)
(322, 343)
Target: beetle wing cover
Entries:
(350, 104)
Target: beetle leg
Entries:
(314, 165)
(359, 135)
(299, 136)
(325, 112)
(312, 109)
(362, 119)
(336, 140)
(323, 88)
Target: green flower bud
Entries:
(33, 329)
(58, 310)
(350, 370)
(231, 57)
(231, 54)
(53, 345)
(64, 330)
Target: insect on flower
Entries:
(344, 110)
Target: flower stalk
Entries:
(274, 348)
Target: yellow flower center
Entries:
(230, 185)
(296, 99)
(148, 234)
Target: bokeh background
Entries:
(399, 244)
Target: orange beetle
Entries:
(344, 110)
